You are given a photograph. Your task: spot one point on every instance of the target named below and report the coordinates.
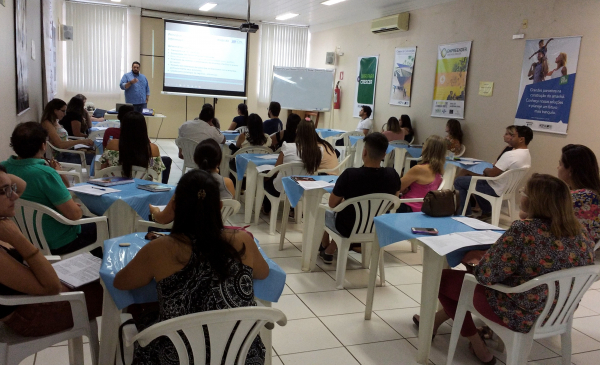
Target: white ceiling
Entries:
(312, 12)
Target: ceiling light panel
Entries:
(207, 6)
(286, 16)
(332, 2)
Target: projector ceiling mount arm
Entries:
(248, 27)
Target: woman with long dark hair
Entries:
(57, 135)
(73, 121)
(407, 128)
(255, 136)
(393, 131)
(289, 134)
(133, 148)
(200, 266)
(242, 118)
(454, 135)
(578, 168)
(87, 118)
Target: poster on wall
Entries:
(365, 84)
(21, 55)
(547, 82)
(451, 80)
(404, 61)
(49, 50)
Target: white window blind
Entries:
(97, 55)
(280, 45)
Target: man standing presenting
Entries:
(137, 90)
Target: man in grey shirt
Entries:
(200, 129)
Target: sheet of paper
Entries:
(482, 237)
(447, 243)
(476, 223)
(263, 168)
(101, 128)
(469, 159)
(78, 270)
(161, 207)
(269, 157)
(468, 162)
(319, 184)
(92, 190)
(81, 146)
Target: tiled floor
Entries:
(326, 326)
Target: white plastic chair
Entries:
(284, 170)
(242, 129)
(109, 124)
(366, 207)
(356, 153)
(463, 148)
(238, 179)
(69, 166)
(346, 136)
(238, 326)
(137, 172)
(188, 147)
(339, 168)
(96, 134)
(514, 178)
(230, 207)
(572, 283)
(29, 219)
(15, 348)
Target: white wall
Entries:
(9, 118)
(494, 57)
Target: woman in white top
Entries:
(561, 66)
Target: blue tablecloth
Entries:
(354, 139)
(137, 199)
(329, 132)
(411, 150)
(477, 168)
(230, 135)
(241, 161)
(294, 191)
(117, 257)
(396, 227)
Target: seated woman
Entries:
(454, 135)
(288, 135)
(547, 239)
(393, 131)
(407, 128)
(242, 118)
(25, 270)
(58, 136)
(306, 150)
(253, 137)
(133, 148)
(207, 156)
(425, 176)
(87, 118)
(73, 121)
(115, 132)
(578, 168)
(194, 265)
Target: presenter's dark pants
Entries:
(139, 107)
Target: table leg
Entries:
(372, 277)
(312, 198)
(267, 336)
(284, 222)
(432, 273)
(109, 338)
(121, 219)
(251, 176)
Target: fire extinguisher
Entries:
(337, 96)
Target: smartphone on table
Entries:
(422, 230)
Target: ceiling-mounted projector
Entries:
(249, 28)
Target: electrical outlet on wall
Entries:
(524, 24)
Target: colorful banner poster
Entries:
(365, 84)
(404, 61)
(451, 80)
(547, 82)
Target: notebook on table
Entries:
(154, 187)
(111, 181)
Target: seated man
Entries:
(201, 128)
(355, 182)
(517, 158)
(45, 186)
(365, 125)
(274, 124)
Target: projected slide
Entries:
(204, 59)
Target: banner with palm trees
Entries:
(451, 80)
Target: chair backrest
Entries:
(572, 284)
(230, 333)
(340, 167)
(253, 149)
(50, 148)
(109, 124)
(358, 151)
(188, 147)
(399, 158)
(230, 207)
(368, 207)
(463, 148)
(289, 169)
(242, 129)
(137, 172)
(28, 216)
(514, 179)
(346, 136)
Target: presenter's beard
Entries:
(135, 72)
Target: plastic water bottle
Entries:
(110, 138)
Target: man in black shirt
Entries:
(274, 124)
(371, 178)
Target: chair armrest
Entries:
(485, 178)
(74, 174)
(505, 288)
(75, 138)
(412, 200)
(62, 219)
(52, 258)
(74, 296)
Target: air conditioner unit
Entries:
(392, 23)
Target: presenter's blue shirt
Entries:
(136, 93)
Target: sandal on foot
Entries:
(491, 362)
(416, 322)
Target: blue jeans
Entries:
(462, 183)
(139, 107)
